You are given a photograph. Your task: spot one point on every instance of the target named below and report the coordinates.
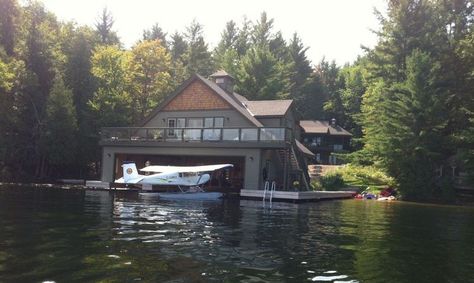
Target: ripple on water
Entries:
(102, 237)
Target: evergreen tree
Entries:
(104, 26)
(178, 47)
(242, 40)
(262, 76)
(226, 56)
(300, 72)
(407, 131)
(197, 57)
(156, 32)
(262, 31)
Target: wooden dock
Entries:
(297, 196)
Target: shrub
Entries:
(365, 176)
(332, 181)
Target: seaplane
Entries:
(187, 178)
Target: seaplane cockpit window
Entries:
(190, 174)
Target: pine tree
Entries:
(104, 26)
(198, 59)
(262, 76)
(156, 32)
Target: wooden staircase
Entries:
(294, 166)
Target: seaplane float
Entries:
(188, 179)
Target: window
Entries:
(318, 157)
(180, 122)
(219, 122)
(214, 122)
(208, 122)
(171, 124)
(175, 123)
(194, 133)
(337, 147)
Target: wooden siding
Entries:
(197, 96)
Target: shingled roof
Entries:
(322, 127)
(268, 107)
(231, 99)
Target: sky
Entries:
(332, 29)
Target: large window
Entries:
(194, 133)
(195, 125)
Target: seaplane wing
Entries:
(184, 169)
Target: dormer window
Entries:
(220, 80)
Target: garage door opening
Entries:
(229, 179)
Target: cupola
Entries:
(224, 81)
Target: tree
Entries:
(405, 123)
(197, 57)
(226, 56)
(262, 31)
(9, 13)
(59, 141)
(300, 70)
(39, 49)
(151, 77)
(178, 47)
(104, 26)
(156, 33)
(9, 79)
(111, 101)
(262, 76)
(78, 45)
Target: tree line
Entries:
(408, 101)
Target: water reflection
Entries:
(76, 236)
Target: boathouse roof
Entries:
(322, 127)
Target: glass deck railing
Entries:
(270, 134)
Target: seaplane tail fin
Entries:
(130, 173)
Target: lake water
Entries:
(90, 236)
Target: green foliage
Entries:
(197, 57)
(332, 181)
(408, 101)
(111, 101)
(104, 30)
(364, 176)
(262, 76)
(417, 92)
(150, 77)
(58, 140)
(9, 13)
(156, 33)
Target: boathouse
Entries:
(324, 138)
(205, 122)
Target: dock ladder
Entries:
(270, 190)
